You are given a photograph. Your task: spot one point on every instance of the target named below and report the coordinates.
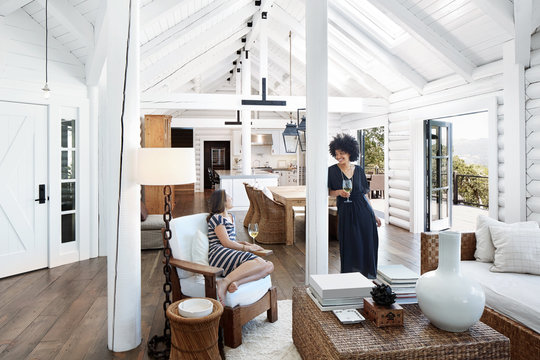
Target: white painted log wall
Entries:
(532, 130)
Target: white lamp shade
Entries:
(166, 166)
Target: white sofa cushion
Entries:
(485, 251)
(516, 249)
(183, 231)
(246, 294)
(511, 294)
(199, 248)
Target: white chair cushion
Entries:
(511, 294)
(246, 294)
(183, 231)
(485, 251)
(268, 193)
(516, 249)
(199, 248)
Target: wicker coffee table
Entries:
(320, 335)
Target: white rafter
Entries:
(361, 38)
(255, 28)
(96, 60)
(157, 8)
(501, 11)
(72, 19)
(9, 6)
(429, 38)
(177, 31)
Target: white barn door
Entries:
(23, 168)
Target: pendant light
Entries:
(290, 134)
(46, 90)
(302, 133)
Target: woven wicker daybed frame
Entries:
(524, 342)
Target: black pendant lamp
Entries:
(290, 137)
(301, 130)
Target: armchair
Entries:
(195, 280)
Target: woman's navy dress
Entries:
(357, 228)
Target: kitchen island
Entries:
(232, 181)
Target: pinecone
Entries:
(383, 295)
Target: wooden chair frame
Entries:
(232, 319)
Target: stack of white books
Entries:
(402, 281)
(339, 291)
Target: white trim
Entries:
(453, 108)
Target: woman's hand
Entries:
(343, 193)
(378, 221)
(254, 247)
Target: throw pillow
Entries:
(484, 245)
(144, 212)
(268, 193)
(199, 248)
(516, 249)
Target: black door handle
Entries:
(41, 199)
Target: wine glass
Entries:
(347, 186)
(253, 230)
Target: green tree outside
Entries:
(374, 149)
(471, 189)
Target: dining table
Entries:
(291, 196)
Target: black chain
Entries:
(165, 339)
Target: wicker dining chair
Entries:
(272, 219)
(251, 211)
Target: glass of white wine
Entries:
(253, 230)
(347, 186)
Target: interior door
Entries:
(438, 166)
(23, 178)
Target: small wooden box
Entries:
(383, 315)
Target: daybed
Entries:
(510, 297)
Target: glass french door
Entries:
(360, 134)
(438, 175)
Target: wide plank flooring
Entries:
(61, 313)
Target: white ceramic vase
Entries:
(449, 300)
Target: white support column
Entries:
(123, 204)
(317, 138)
(514, 136)
(245, 115)
(263, 52)
(93, 96)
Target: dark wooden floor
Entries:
(61, 313)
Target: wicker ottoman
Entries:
(320, 335)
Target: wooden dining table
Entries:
(291, 196)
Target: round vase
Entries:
(449, 300)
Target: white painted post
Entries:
(123, 206)
(317, 138)
(263, 53)
(93, 96)
(514, 136)
(245, 115)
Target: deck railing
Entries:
(471, 187)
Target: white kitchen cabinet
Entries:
(237, 142)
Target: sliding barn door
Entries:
(23, 188)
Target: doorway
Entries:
(217, 156)
(24, 188)
(372, 160)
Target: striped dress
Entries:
(219, 255)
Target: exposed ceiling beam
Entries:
(216, 69)
(254, 34)
(176, 32)
(234, 102)
(72, 19)
(157, 8)
(523, 16)
(211, 37)
(500, 11)
(96, 60)
(9, 6)
(429, 38)
(186, 70)
(349, 26)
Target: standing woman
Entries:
(357, 223)
(239, 264)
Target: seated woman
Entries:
(239, 265)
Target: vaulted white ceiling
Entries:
(376, 48)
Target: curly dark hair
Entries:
(345, 143)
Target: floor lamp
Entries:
(165, 166)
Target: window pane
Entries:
(68, 196)
(68, 164)
(68, 228)
(68, 133)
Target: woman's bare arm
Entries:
(223, 237)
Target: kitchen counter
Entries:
(230, 174)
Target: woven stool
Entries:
(194, 338)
